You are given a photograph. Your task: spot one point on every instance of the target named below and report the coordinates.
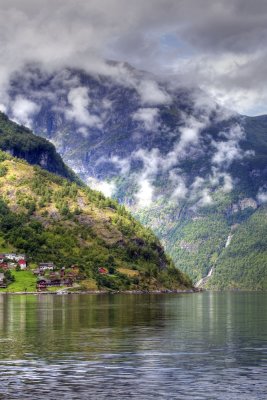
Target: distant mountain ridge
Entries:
(186, 167)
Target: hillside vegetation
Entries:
(52, 219)
(228, 237)
(21, 142)
(243, 264)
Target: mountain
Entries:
(53, 219)
(191, 170)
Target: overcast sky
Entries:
(219, 45)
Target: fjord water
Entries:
(182, 346)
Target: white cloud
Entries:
(221, 179)
(198, 183)
(3, 108)
(228, 183)
(152, 94)
(262, 196)
(80, 101)
(83, 130)
(215, 44)
(205, 198)
(189, 136)
(144, 196)
(107, 188)
(151, 160)
(190, 132)
(121, 163)
(23, 110)
(229, 149)
(180, 190)
(148, 116)
(107, 104)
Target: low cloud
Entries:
(205, 198)
(229, 150)
(221, 179)
(151, 93)
(180, 190)
(218, 45)
(144, 195)
(107, 188)
(23, 110)
(122, 164)
(3, 108)
(148, 116)
(189, 137)
(106, 104)
(262, 196)
(79, 102)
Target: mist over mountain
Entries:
(190, 169)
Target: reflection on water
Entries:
(193, 346)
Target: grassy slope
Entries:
(52, 219)
(24, 281)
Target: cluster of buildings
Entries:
(10, 261)
(47, 273)
(47, 276)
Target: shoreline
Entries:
(96, 292)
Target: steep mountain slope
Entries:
(243, 263)
(187, 168)
(52, 219)
(21, 142)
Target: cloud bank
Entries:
(216, 44)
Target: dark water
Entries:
(193, 346)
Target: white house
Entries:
(46, 266)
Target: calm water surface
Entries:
(189, 346)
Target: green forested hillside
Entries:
(52, 219)
(197, 240)
(21, 142)
(243, 264)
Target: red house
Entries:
(3, 265)
(22, 264)
(102, 270)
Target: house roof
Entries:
(102, 270)
(46, 263)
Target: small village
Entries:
(47, 273)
